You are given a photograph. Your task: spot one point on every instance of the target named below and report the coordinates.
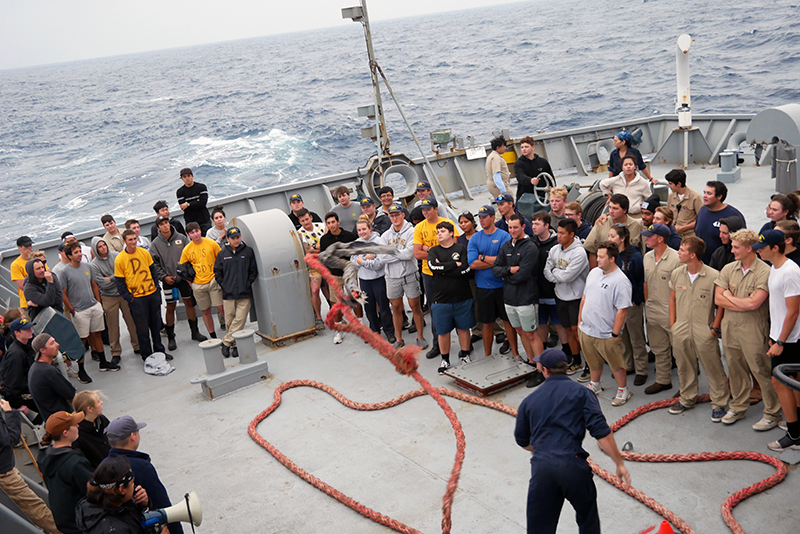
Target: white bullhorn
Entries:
(187, 511)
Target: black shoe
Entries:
(434, 352)
(171, 345)
(552, 341)
(405, 323)
(95, 356)
(234, 352)
(655, 387)
(639, 380)
(83, 377)
(115, 360)
(505, 348)
(108, 366)
(222, 325)
(137, 351)
(197, 336)
(412, 328)
(535, 379)
(629, 372)
(475, 338)
(226, 351)
(391, 338)
(499, 338)
(168, 356)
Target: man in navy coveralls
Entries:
(551, 423)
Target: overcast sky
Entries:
(35, 32)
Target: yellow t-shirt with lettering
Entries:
(202, 258)
(135, 269)
(18, 272)
(425, 234)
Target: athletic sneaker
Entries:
(786, 442)
(319, 324)
(83, 377)
(679, 409)
(766, 424)
(717, 414)
(594, 389)
(444, 366)
(108, 366)
(621, 397)
(422, 343)
(338, 337)
(574, 368)
(731, 417)
(464, 357)
(782, 425)
(535, 379)
(586, 375)
(399, 344)
(505, 348)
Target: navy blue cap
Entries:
(505, 197)
(769, 238)
(551, 358)
(651, 203)
(295, 197)
(429, 203)
(423, 185)
(485, 211)
(232, 232)
(657, 229)
(20, 324)
(367, 201)
(395, 208)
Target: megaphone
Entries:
(187, 511)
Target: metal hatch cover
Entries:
(486, 376)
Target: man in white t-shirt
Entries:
(784, 330)
(608, 295)
(311, 232)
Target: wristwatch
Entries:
(779, 343)
(482, 257)
(614, 335)
(716, 330)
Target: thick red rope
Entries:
(405, 361)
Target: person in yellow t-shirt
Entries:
(202, 252)
(134, 274)
(18, 272)
(424, 240)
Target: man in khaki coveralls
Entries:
(658, 266)
(742, 290)
(617, 214)
(683, 202)
(694, 329)
(497, 169)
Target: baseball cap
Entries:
(39, 342)
(367, 201)
(295, 197)
(61, 421)
(429, 203)
(651, 203)
(656, 229)
(767, 238)
(61, 247)
(232, 232)
(24, 324)
(485, 211)
(24, 241)
(551, 357)
(122, 427)
(395, 208)
(505, 197)
(159, 219)
(423, 185)
(185, 171)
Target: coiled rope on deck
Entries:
(405, 361)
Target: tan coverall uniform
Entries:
(692, 338)
(685, 211)
(744, 338)
(656, 278)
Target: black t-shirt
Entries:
(794, 256)
(450, 281)
(329, 239)
(296, 221)
(197, 198)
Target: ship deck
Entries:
(398, 461)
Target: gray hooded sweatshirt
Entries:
(568, 269)
(403, 263)
(104, 267)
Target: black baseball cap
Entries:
(24, 241)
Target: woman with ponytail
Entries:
(781, 208)
(113, 503)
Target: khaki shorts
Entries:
(332, 292)
(89, 320)
(207, 295)
(595, 350)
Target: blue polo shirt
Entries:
(555, 417)
(488, 245)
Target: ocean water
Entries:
(109, 135)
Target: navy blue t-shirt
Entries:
(707, 227)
